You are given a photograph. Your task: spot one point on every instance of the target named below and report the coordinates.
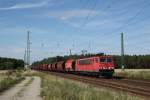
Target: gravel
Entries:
(26, 90)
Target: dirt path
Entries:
(29, 89)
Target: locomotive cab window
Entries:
(96, 60)
(105, 60)
(102, 59)
(85, 62)
(109, 60)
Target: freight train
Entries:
(95, 66)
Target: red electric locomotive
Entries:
(99, 65)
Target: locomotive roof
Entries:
(93, 57)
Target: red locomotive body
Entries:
(100, 65)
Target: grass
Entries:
(55, 88)
(9, 79)
(134, 74)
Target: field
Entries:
(55, 88)
(133, 73)
(9, 79)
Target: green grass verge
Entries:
(55, 88)
(10, 79)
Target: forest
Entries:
(11, 63)
(130, 61)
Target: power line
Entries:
(128, 22)
(89, 14)
(136, 21)
(133, 17)
(87, 19)
(106, 8)
(84, 6)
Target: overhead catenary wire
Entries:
(88, 19)
(127, 23)
(105, 9)
(112, 33)
(89, 14)
(108, 7)
(85, 5)
(133, 17)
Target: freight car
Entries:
(98, 65)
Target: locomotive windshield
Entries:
(105, 60)
(109, 60)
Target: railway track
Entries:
(141, 88)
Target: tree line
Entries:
(130, 61)
(134, 61)
(11, 63)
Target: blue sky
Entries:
(59, 25)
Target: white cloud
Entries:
(96, 24)
(76, 17)
(70, 14)
(73, 17)
(76, 14)
(26, 5)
